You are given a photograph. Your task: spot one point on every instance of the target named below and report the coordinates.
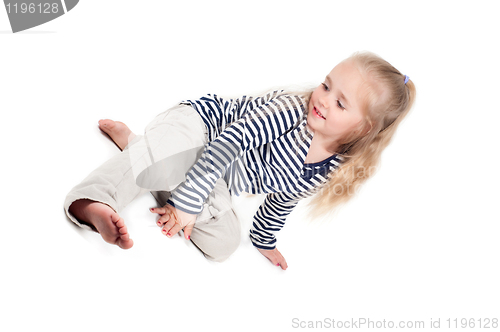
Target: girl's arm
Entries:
(255, 128)
(271, 217)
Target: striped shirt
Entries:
(258, 145)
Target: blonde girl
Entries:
(288, 146)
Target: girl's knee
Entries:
(221, 252)
(219, 237)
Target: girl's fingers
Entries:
(160, 211)
(275, 258)
(163, 220)
(171, 222)
(281, 260)
(187, 231)
(174, 230)
(167, 227)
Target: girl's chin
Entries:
(315, 121)
(313, 125)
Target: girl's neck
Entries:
(319, 150)
(324, 144)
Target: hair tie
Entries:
(406, 79)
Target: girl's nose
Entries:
(323, 102)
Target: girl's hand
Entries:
(172, 220)
(275, 257)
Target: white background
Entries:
(419, 243)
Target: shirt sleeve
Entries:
(256, 127)
(271, 217)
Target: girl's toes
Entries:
(122, 230)
(125, 237)
(106, 124)
(120, 223)
(125, 244)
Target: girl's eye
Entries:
(340, 105)
(325, 86)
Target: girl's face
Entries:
(334, 110)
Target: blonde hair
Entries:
(387, 100)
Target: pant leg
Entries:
(111, 183)
(160, 159)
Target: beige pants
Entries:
(158, 162)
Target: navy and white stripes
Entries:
(258, 145)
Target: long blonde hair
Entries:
(387, 100)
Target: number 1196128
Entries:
(31, 8)
(472, 323)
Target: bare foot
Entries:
(107, 222)
(117, 131)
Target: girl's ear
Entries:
(368, 126)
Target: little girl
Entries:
(287, 145)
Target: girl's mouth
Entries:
(318, 113)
